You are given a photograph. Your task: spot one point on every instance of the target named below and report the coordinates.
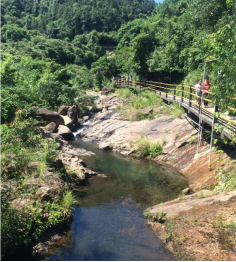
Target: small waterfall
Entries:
(81, 129)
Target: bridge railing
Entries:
(177, 93)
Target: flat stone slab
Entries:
(175, 207)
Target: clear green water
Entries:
(108, 223)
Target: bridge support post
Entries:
(174, 91)
(182, 95)
(190, 97)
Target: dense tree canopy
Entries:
(67, 18)
(167, 42)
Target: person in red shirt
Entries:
(207, 88)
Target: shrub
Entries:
(140, 100)
(146, 148)
(67, 201)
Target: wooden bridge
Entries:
(185, 96)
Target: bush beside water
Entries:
(146, 148)
(22, 144)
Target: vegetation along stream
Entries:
(108, 222)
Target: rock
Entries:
(86, 118)
(73, 113)
(51, 116)
(75, 126)
(186, 191)
(107, 90)
(68, 122)
(146, 111)
(90, 108)
(65, 132)
(97, 101)
(112, 107)
(101, 175)
(105, 146)
(125, 153)
(44, 193)
(51, 127)
(63, 110)
(88, 172)
(104, 109)
(19, 203)
(98, 104)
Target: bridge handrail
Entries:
(149, 84)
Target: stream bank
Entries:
(108, 222)
(214, 223)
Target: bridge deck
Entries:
(229, 130)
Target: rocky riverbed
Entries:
(111, 131)
(210, 222)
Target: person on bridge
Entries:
(207, 85)
(198, 92)
(130, 79)
(127, 78)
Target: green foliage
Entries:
(22, 145)
(175, 110)
(146, 148)
(46, 84)
(65, 19)
(15, 228)
(67, 202)
(138, 100)
(21, 227)
(227, 182)
(150, 216)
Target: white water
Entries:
(81, 129)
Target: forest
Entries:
(53, 51)
(56, 46)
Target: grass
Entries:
(227, 182)
(220, 224)
(146, 148)
(135, 101)
(181, 196)
(155, 217)
(68, 200)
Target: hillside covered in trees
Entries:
(55, 50)
(64, 42)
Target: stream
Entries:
(108, 223)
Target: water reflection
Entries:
(114, 231)
(147, 182)
(108, 223)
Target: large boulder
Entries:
(86, 118)
(73, 113)
(63, 110)
(98, 104)
(65, 132)
(51, 127)
(68, 122)
(50, 116)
